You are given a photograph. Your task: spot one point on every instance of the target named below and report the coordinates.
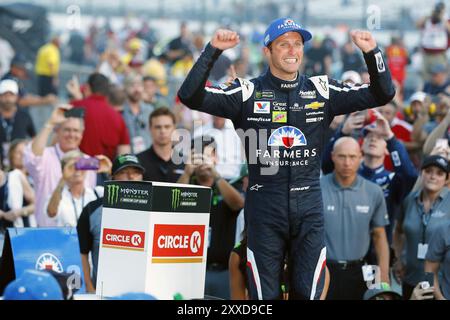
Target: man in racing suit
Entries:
(281, 118)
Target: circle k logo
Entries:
(196, 242)
(136, 240)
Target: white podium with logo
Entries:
(154, 239)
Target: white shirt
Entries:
(69, 209)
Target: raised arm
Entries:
(224, 101)
(346, 99)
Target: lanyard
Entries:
(75, 206)
(57, 153)
(8, 128)
(425, 221)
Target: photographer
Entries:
(44, 162)
(70, 196)
(226, 204)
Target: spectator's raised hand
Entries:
(69, 169)
(441, 149)
(105, 164)
(422, 294)
(57, 116)
(355, 121)
(73, 87)
(225, 39)
(381, 127)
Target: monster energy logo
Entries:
(113, 193)
(176, 198)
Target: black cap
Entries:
(436, 161)
(371, 294)
(124, 161)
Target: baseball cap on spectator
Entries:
(33, 285)
(281, 26)
(9, 85)
(438, 68)
(437, 161)
(352, 76)
(20, 61)
(418, 96)
(66, 282)
(373, 294)
(124, 161)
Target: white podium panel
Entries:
(154, 239)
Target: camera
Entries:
(424, 285)
(87, 164)
(74, 113)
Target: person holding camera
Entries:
(437, 261)
(70, 196)
(379, 141)
(422, 212)
(44, 162)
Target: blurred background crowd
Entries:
(121, 65)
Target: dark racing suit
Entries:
(282, 125)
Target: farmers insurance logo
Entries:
(113, 193)
(48, 261)
(178, 243)
(261, 107)
(287, 137)
(123, 239)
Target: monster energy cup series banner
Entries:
(145, 196)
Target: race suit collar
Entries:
(283, 85)
(368, 172)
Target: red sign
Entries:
(123, 238)
(172, 240)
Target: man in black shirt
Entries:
(15, 123)
(157, 160)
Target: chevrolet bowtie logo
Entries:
(315, 105)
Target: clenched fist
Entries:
(363, 40)
(225, 39)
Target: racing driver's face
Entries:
(285, 55)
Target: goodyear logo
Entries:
(176, 193)
(113, 193)
(279, 116)
(315, 105)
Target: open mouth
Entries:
(291, 60)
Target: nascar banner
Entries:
(41, 248)
(155, 236)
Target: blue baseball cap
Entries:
(281, 26)
(135, 296)
(33, 285)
